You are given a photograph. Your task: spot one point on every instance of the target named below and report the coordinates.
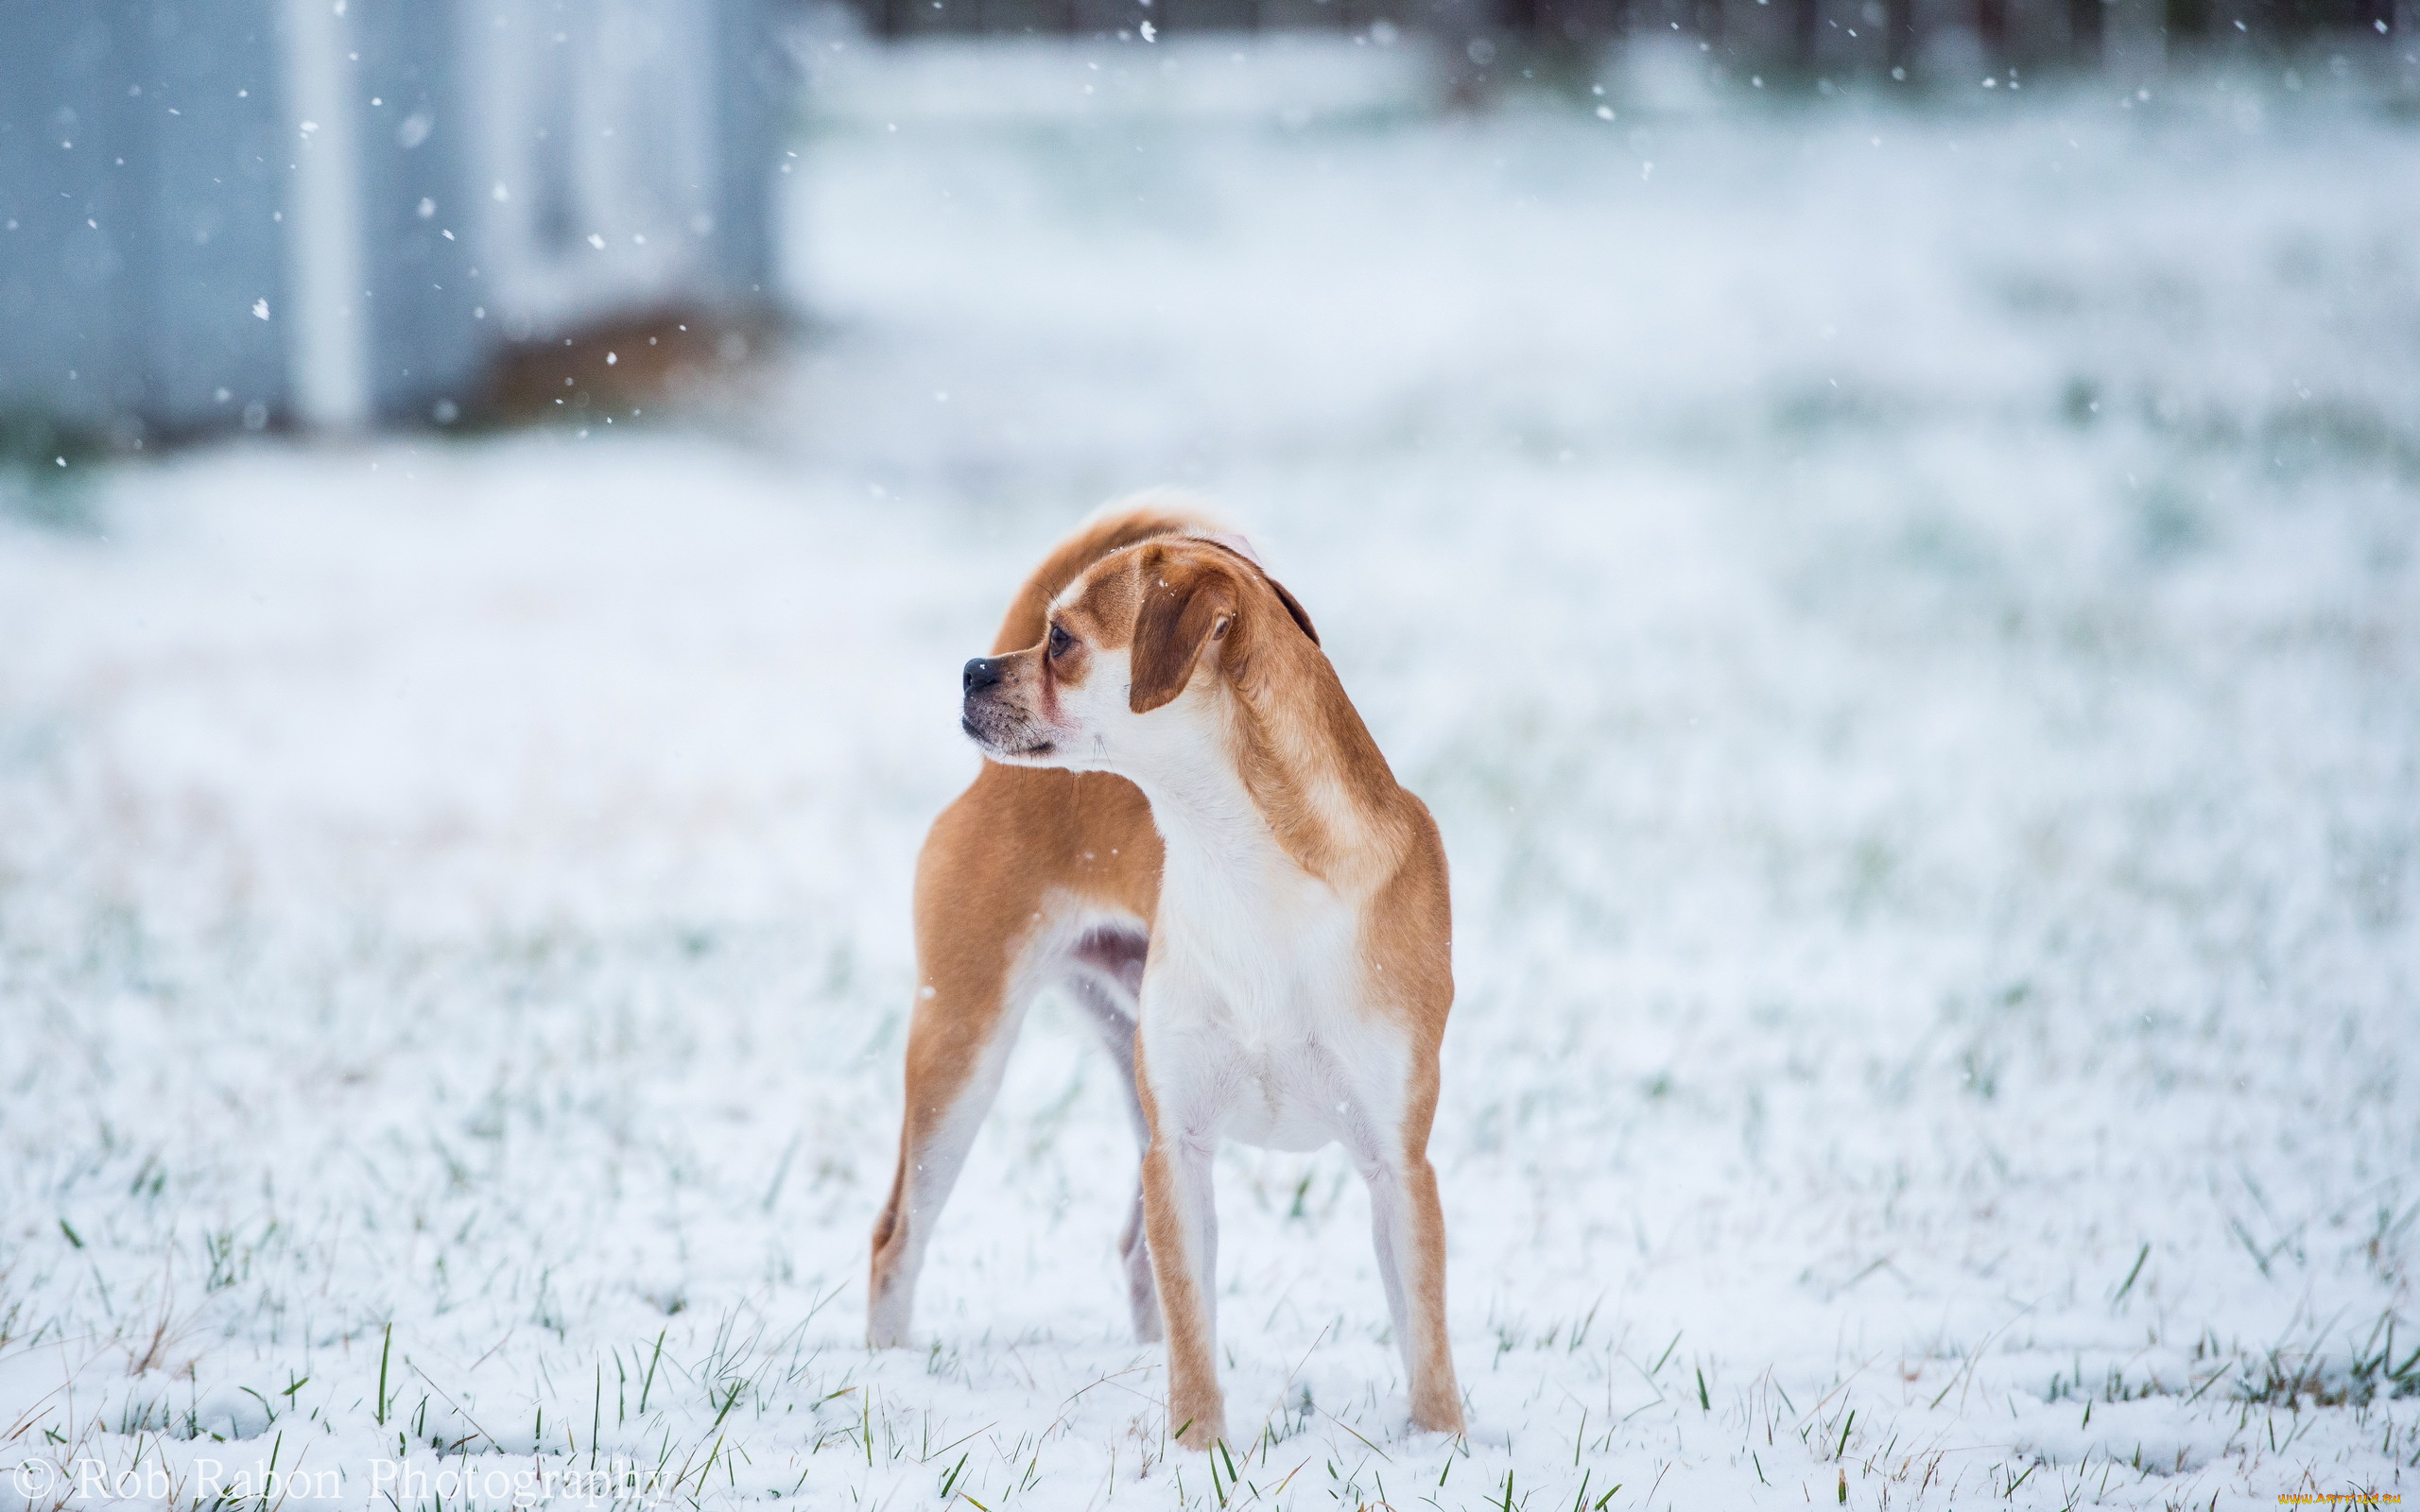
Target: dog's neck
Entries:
(1213, 833)
(1285, 775)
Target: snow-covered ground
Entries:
(1908, 622)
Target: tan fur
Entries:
(1016, 832)
(1179, 608)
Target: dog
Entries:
(1182, 822)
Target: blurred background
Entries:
(1887, 531)
(259, 214)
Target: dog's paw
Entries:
(888, 1313)
(1199, 1430)
(1436, 1411)
(1470, 1435)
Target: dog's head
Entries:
(1136, 654)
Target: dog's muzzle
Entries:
(998, 728)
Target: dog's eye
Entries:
(1059, 641)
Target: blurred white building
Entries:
(338, 212)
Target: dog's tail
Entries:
(1158, 512)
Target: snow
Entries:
(1905, 617)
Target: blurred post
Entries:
(1899, 50)
(2086, 21)
(2134, 42)
(1990, 30)
(324, 332)
(1466, 41)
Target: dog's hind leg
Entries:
(957, 1049)
(1107, 983)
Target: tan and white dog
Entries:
(1277, 973)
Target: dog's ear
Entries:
(1294, 608)
(1185, 606)
(1235, 541)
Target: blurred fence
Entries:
(1807, 36)
(220, 211)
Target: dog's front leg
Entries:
(1181, 1218)
(1408, 1226)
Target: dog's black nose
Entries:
(981, 672)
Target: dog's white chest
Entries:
(1281, 1096)
(1253, 1013)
